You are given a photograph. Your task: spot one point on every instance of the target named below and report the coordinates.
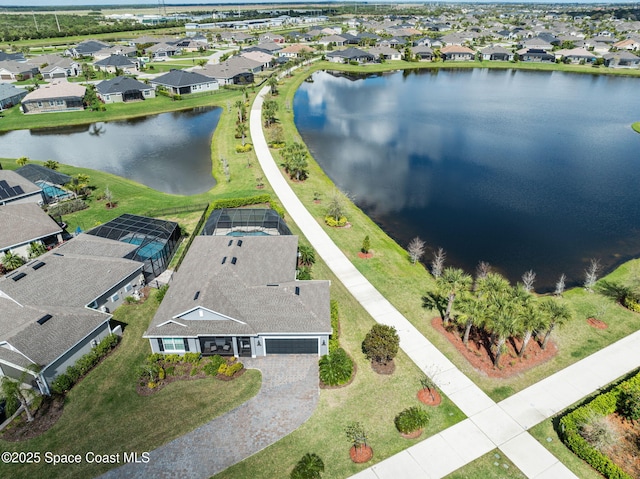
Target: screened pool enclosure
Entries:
(245, 222)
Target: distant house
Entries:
(26, 223)
(10, 95)
(162, 51)
(621, 59)
(575, 55)
(228, 73)
(535, 55)
(238, 296)
(536, 44)
(116, 63)
(295, 50)
(630, 44)
(457, 53)
(56, 308)
(350, 55)
(271, 37)
(336, 40)
(17, 189)
(265, 59)
(127, 51)
(423, 52)
(386, 53)
(12, 70)
(496, 53)
(56, 96)
(88, 48)
(181, 82)
(55, 66)
(124, 89)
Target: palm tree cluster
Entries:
(496, 309)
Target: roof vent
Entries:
(239, 242)
(233, 260)
(272, 284)
(224, 260)
(57, 254)
(44, 319)
(230, 243)
(19, 276)
(196, 296)
(297, 290)
(38, 265)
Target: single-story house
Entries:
(535, 55)
(14, 188)
(423, 52)
(228, 73)
(457, 53)
(56, 308)
(621, 59)
(17, 56)
(26, 223)
(162, 51)
(115, 63)
(295, 50)
(49, 180)
(55, 66)
(271, 37)
(628, 44)
(265, 59)
(350, 55)
(386, 53)
(181, 82)
(123, 89)
(336, 40)
(14, 71)
(59, 95)
(575, 55)
(536, 44)
(126, 51)
(496, 53)
(238, 296)
(87, 48)
(10, 95)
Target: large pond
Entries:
(525, 170)
(170, 152)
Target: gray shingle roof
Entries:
(23, 223)
(115, 61)
(258, 290)
(9, 91)
(121, 85)
(180, 78)
(33, 173)
(13, 180)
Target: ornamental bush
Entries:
(631, 303)
(331, 221)
(336, 368)
(411, 419)
(381, 343)
(629, 403)
(244, 149)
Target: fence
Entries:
(196, 232)
(176, 210)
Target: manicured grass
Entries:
(404, 284)
(494, 465)
(372, 399)
(636, 126)
(104, 414)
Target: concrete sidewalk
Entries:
(489, 425)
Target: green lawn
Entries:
(104, 414)
(404, 284)
(494, 465)
(636, 126)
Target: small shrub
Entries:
(194, 370)
(161, 292)
(331, 221)
(73, 373)
(193, 358)
(631, 303)
(366, 245)
(628, 405)
(598, 431)
(154, 358)
(381, 343)
(309, 467)
(152, 384)
(172, 358)
(161, 374)
(211, 368)
(244, 149)
(336, 368)
(411, 419)
(170, 370)
(276, 145)
(130, 300)
(62, 384)
(67, 207)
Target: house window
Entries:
(59, 102)
(173, 344)
(128, 288)
(106, 97)
(51, 103)
(115, 298)
(39, 104)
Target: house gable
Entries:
(200, 313)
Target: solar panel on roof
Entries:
(3, 184)
(18, 190)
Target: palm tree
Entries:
(241, 131)
(503, 318)
(51, 164)
(453, 281)
(12, 261)
(272, 81)
(558, 314)
(270, 108)
(309, 467)
(306, 255)
(531, 320)
(295, 160)
(239, 104)
(23, 160)
(15, 395)
(471, 310)
(36, 249)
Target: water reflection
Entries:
(521, 169)
(170, 152)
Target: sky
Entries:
(51, 3)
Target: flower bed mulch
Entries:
(479, 356)
(596, 323)
(43, 419)
(361, 454)
(430, 398)
(381, 368)
(412, 435)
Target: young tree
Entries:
(504, 315)
(239, 104)
(36, 249)
(51, 164)
(309, 467)
(591, 274)
(15, 395)
(531, 320)
(451, 282)
(437, 264)
(366, 245)
(336, 206)
(557, 313)
(471, 309)
(356, 434)
(560, 285)
(295, 161)
(416, 249)
(23, 160)
(273, 84)
(270, 108)
(528, 278)
(381, 344)
(241, 131)
(306, 255)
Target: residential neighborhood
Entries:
(267, 327)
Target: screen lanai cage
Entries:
(156, 240)
(245, 222)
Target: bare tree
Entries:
(528, 278)
(416, 249)
(560, 285)
(482, 270)
(591, 274)
(437, 264)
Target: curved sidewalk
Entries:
(287, 398)
(489, 425)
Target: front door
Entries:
(244, 346)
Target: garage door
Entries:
(292, 346)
